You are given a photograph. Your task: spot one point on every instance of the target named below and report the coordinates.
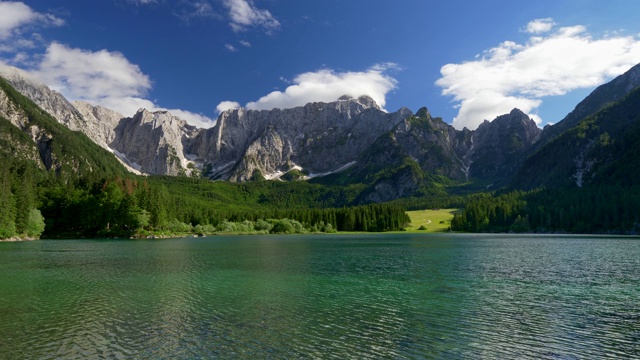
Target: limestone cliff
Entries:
(152, 142)
(317, 138)
(100, 122)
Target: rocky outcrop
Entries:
(152, 142)
(48, 100)
(317, 138)
(155, 149)
(32, 134)
(498, 145)
(24, 149)
(100, 122)
(421, 148)
(11, 112)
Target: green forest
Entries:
(602, 209)
(57, 206)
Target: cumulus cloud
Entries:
(539, 26)
(103, 78)
(245, 43)
(244, 14)
(227, 105)
(17, 25)
(326, 85)
(82, 73)
(192, 118)
(520, 75)
(15, 15)
(230, 48)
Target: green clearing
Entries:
(434, 220)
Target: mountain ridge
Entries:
(344, 142)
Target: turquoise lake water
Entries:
(322, 296)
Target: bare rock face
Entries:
(318, 138)
(152, 142)
(437, 146)
(11, 112)
(100, 122)
(17, 117)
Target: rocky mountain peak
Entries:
(365, 101)
(368, 102)
(158, 118)
(423, 113)
(499, 143)
(49, 100)
(517, 112)
(513, 118)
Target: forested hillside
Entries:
(584, 181)
(35, 152)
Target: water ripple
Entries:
(447, 297)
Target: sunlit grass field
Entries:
(434, 220)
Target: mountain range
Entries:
(349, 141)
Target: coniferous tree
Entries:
(7, 206)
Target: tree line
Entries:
(90, 206)
(595, 209)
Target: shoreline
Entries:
(19, 239)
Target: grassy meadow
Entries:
(434, 220)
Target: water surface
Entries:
(353, 296)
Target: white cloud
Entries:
(196, 10)
(243, 14)
(520, 75)
(326, 85)
(142, 2)
(16, 15)
(539, 26)
(194, 119)
(245, 43)
(103, 78)
(87, 74)
(227, 105)
(230, 47)
(12, 16)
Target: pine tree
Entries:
(7, 206)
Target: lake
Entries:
(447, 296)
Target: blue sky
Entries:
(465, 60)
